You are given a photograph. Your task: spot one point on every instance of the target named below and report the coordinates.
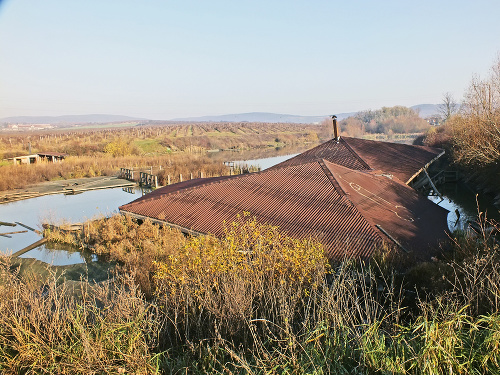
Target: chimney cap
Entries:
(333, 116)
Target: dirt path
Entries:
(72, 186)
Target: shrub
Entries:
(254, 272)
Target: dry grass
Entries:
(175, 149)
(472, 136)
(119, 238)
(85, 166)
(257, 302)
(253, 273)
(108, 329)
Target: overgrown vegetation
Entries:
(472, 136)
(256, 302)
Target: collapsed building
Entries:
(350, 194)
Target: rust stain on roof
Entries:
(337, 152)
(339, 203)
(413, 220)
(301, 200)
(401, 160)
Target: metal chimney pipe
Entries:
(336, 133)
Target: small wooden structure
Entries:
(52, 157)
(425, 183)
(148, 179)
(145, 179)
(127, 173)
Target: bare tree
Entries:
(477, 130)
(448, 107)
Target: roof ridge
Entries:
(343, 193)
(331, 177)
(361, 160)
(238, 176)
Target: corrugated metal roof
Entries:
(401, 160)
(180, 186)
(338, 152)
(413, 220)
(336, 205)
(301, 200)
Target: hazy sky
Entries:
(162, 59)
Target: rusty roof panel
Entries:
(413, 220)
(401, 160)
(180, 186)
(301, 200)
(330, 192)
(333, 151)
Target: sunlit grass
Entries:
(174, 148)
(256, 301)
(151, 146)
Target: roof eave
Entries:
(424, 167)
(162, 222)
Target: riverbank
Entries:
(71, 186)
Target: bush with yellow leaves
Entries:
(254, 272)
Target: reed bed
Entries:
(87, 166)
(107, 329)
(258, 302)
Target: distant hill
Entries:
(427, 110)
(69, 119)
(262, 117)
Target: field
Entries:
(176, 148)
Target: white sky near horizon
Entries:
(163, 59)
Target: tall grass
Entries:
(119, 238)
(86, 166)
(257, 302)
(174, 149)
(108, 329)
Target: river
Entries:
(57, 209)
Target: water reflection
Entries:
(56, 254)
(463, 204)
(58, 209)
